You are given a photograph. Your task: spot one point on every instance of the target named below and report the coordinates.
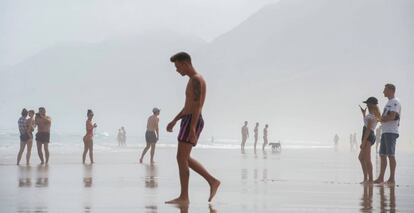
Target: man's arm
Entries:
(390, 117)
(196, 105)
(156, 127)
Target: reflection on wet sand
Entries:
(387, 203)
(42, 176)
(244, 175)
(184, 208)
(151, 176)
(87, 176)
(25, 176)
(151, 209)
(366, 200)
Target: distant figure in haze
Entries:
(245, 135)
(124, 137)
(390, 124)
(119, 137)
(256, 135)
(88, 138)
(24, 136)
(378, 133)
(265, 140)
(368, 137)
(336, 140)
(192, 124)
(351, 142)
(152, 134)
(43, 123)
(355, 141)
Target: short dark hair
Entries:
(24, 112)
(31, 111)
(390, 87)
(89, 112)
(181, 56)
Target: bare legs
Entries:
(264, 144)
(243, 144)
(152, 152)
(39, 152)
(366, 164)
(255, 143)
(184, 163)
(88, 146)
(19, 155)
(29, 151)
(393, 165)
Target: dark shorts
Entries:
(24, 137)
(371, 136)
(43, 137)
(387, 146)
(150, 137)
(185, 129)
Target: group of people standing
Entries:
(191, 126)
(27, 123)
(390, 122)
(121, 136)
(245, 135)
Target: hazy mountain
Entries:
(304, 66)
(301, 66)
(121, 79)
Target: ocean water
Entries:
(104, 142)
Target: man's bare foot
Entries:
(140, 160)
(363, 182)
(152, 162)
(390, 182)
(213, 189)
(41, 163)
(179, 201)
(378, 181)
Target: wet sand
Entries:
(303, 180)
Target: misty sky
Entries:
(27, 27)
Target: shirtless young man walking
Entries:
(43, 123)
(191, 126)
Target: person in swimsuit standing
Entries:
(152, 134)
(43, 123)
(191, 126)
(265, 140)
(256, 135)
(88, 138)
(368, 137)
(24, 136)
(245, 135)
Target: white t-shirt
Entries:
(393, 105)
(370, 117)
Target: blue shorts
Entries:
(387, 146)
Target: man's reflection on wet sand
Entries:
(87, 175)
(25, 176)
(151, 176)
(42, 176)
(184, 208)
(387, 203)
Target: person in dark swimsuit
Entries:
(88, 138)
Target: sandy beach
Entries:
(295, 180)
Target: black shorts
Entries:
(24, 137)
(150, 137)
(371, 136)
(43, 137)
